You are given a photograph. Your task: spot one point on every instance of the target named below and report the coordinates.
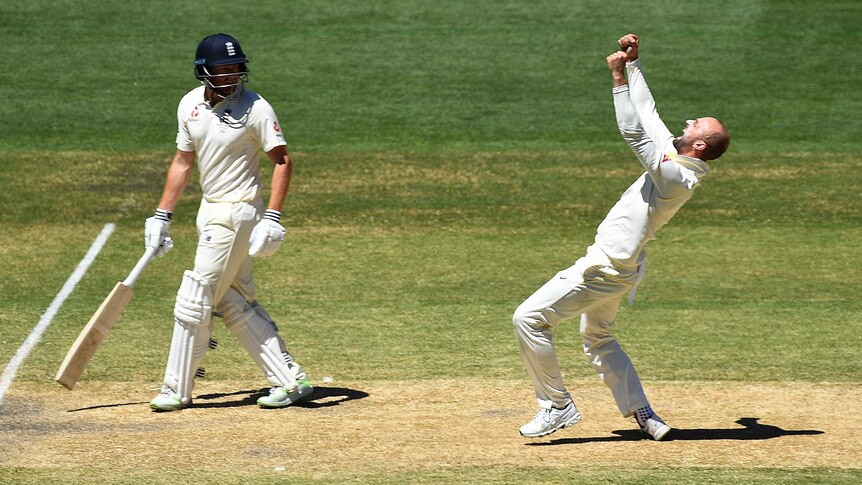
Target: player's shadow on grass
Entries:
(751, 430)
(321, 397)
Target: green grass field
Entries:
(449, 158)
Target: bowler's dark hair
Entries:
(716, 144)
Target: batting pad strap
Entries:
(194, 300)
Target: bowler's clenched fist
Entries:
(629, 44)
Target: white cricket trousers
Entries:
(591, 288)
(222, 256)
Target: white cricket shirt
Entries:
(668, 182)
(227, 140)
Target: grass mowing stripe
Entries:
(48, 316)
(413, 75)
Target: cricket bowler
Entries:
(614, 264)
(223, 127)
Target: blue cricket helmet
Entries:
(215, 51)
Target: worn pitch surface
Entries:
(366, 427)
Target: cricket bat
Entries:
(97, 328)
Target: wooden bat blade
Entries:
(91, 336)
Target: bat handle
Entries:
(142, 263)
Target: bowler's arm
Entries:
(644, 105)
(627, 118)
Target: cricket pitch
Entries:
(373, 427)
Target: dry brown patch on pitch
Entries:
(421, 425)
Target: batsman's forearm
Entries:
(178, 177)
(281, 176)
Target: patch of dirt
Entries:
(419, 425)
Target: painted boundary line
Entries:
(51, 312)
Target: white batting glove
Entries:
(156, 232)
(267, 235)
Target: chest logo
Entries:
(275, 127)
(195, 112)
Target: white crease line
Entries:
(51, 312)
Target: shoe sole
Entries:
(660, 433)
(574, 420)
(159, 409)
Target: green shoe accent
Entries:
(166, 401)
(280, 397)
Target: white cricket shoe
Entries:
(167, 400)
(280, 397)
(549, 420)
(651, 425)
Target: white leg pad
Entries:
(257, 333)
(192, 330)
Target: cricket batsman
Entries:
(223, 127)
(614, 264)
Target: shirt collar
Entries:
(696, 165)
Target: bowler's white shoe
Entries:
(656, 428)
(280, 397)
(651, 424)
(167, 400)
(549, 420)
